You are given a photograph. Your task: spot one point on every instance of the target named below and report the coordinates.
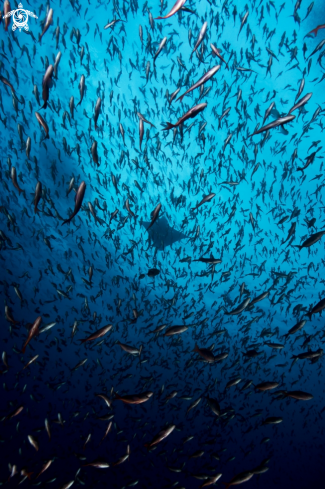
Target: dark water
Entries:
(93, 271)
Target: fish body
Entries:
(98, 334)
(214, 406)
(299, 395)
(6, 10)
(78, 202)
(154, 215)
(43, 124)
(217, 53)
(205, 354)
(32, 332)
(240, 308)
(301, 102)
(193, 112)
(94, 153)
(82, 85)
(313, 239)
(48, 22)
(200, 38)
(317, 309)
(278, 122)
(38, 196)
(205, 199)
(130, 349)
(97, 110)
(295, 328)
(210, 261)
(134, 399)
(174, 330)
(178, 5)
(266, 386)
(206, 77)
(243, 22)
(46, 84)
(14, 179)
(160, 436)
(160, 48)
(7, 82)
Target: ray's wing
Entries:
(31, 14)
(161, 232)
(9, 14)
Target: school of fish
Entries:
(162, 244)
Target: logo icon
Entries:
(20, 18)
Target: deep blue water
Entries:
(45, 263)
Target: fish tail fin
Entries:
(168, 126)
(196, 348)
(309, 314)
(78, 103)
(297, 246)
(20, 191)
(117, 396)
(23, 349)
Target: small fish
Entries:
(32, 332)
(154, 215)
(160, 48)
(278, 122)
(134, 398)
(193, 112)
(43, 124)
(46, 84)
(81, 89)
(205, 199)
(178, 5)
(206, 77)
(98, 334)
(78, 202)
(48, 22)
(14, 179)
(160, 436)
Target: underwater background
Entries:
(193, 382)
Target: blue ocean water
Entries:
(198, 268)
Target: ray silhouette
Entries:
(162, 234)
